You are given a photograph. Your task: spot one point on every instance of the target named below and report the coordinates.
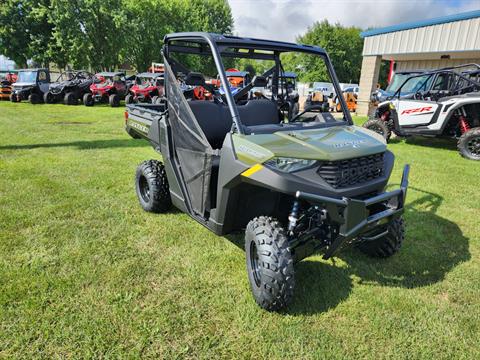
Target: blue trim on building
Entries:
(422, 23)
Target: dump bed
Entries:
(142, 121)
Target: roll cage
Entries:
(459, 82)
(218, 46)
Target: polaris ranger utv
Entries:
(69, 87)
(31, 84)
(441, 103)
(299, 185)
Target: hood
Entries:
(330, 144)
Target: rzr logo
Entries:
(417, 110)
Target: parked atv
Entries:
(148, 88)
(317, 98)
(69, 87)
(107, 87)
(31, 84)
(299, 185)
(6, 81)
(446, 103)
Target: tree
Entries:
(25, 31)
(149, 21)
(92, 31)
(344, 46)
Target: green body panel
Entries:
(330, 144)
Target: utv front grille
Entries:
(344, 173)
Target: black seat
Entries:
(216, 121)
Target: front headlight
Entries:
(289, 164)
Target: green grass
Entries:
(84, 272)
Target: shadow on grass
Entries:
(81, 145)
(436, 143)
(432, 248)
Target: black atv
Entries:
(295, 184)
(31, 85)
(70, 87)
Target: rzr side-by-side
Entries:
(296, 184)
(444, 103)
(148, 88)
(107, 87)
(69, 87)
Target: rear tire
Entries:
(114, 100)
(469, 144)
(380, 127)
(14, 98)
(151, 185)
(387, 245)
(34, 98)
(88, 100)
(70, 99)
(269, 263)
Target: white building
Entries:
(429, 44)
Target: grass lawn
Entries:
(84, 272)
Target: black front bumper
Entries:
(354, 216)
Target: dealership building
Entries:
(429, 44)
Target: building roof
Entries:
(422, 23)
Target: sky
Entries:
(286, 19)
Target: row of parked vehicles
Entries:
(75, 86)
(438, 103)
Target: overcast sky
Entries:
(285, 19)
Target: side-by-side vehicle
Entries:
(296, 184)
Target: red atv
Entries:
(148, 88)
(107, 87)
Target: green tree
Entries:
(91, 31)
(25, 32)
(344, 46)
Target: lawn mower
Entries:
(6, 80)
(31, 84)
(148, 88)
(295, 186)
(318, 99)
(442, 103)
(107, 87)
(350, 95)
(69, 87)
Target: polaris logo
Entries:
(416, 110)
(353, 143)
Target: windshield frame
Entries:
(257, 49)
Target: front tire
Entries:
(129, 99)
(114, 100)
(269, 263)
(151, 185)
(48, 98)
(380, 127)
(34, 98)
(14, 98)
(387, 245)
(469, 144)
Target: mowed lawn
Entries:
(86, 273)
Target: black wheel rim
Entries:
(144, 189)
(254, 264)
(473, 146)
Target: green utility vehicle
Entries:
(309, 183)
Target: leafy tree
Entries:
(344, 46)
(92, 31)
(25, 32)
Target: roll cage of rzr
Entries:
(224, 46)
(461, 82)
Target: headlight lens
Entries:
(289, 164)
